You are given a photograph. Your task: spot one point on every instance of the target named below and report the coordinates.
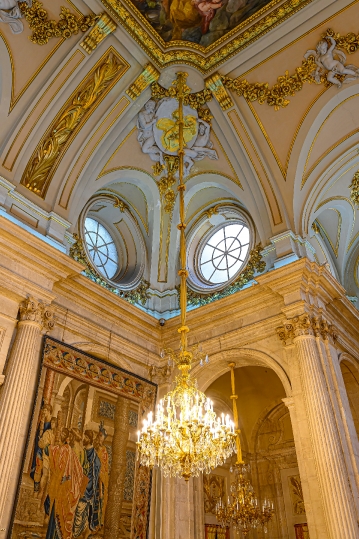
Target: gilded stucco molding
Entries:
(44, 161)
(139, 295)
(305, 325)
(214, 83)
(149, 75)
(204, 59)
(103, 27)
(313, 70)
(354, 189)
(44, 29)
(255, 265)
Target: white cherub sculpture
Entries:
(327, 63)
(10, 13)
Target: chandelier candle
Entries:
(185, 438)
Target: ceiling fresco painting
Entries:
(197, 21)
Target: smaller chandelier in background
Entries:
(243, 511)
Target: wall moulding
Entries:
(205, 59)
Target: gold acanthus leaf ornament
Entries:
(43, 29)
(289, 85)
(42, 165)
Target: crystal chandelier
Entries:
(185, 437)
(242, 511)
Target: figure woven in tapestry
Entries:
(80, 476)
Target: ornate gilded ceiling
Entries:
(275, 135)
(198, 33)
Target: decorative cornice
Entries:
(32, 310)
(181, 52)
(305, 325)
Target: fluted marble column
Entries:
(34, 317)
(118, 468)
(332, 474)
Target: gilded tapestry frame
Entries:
(59, 357)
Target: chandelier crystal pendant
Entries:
(242, 510)
(185, 438)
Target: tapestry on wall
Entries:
(80, 476)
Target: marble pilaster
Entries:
(332, 475)
(34, 316)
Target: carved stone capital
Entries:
(159, 374)
(32, 310)
(305, 325)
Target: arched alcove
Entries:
(267, 443)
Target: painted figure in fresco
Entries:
(104, 471)
(10, 13)
(88, 508)
(37, 459)
(145, 121)
(330, 61)
(207, 10)
(66, 486)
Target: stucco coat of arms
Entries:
(158, 133)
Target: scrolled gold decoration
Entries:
(148, 76)
(103, 27)
(354, 189)
(138, 295)
(255, 264)
(168, 196)
(42, 165)
(289, 85)
(44, 29)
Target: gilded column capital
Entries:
(32, 310)
(305, 325)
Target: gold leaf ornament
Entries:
(44, 29)
(39, 171)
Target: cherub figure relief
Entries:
(330, 61)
